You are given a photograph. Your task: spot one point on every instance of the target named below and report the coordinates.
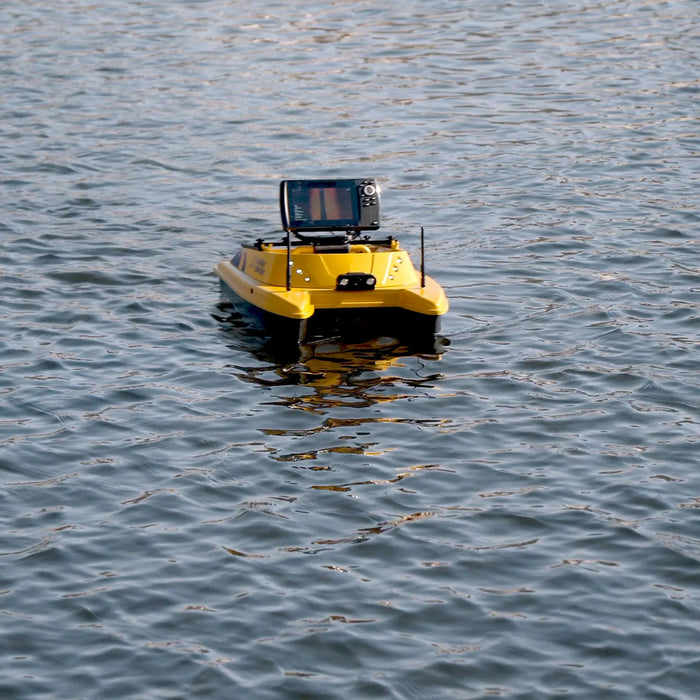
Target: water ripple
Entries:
(511, 515)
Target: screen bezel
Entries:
(298, 193)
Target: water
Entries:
(185, 515)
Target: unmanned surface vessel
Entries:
(328, 277)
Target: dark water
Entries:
(182, 515)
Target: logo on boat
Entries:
(259, 265)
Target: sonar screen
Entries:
(329, 205)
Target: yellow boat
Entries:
(329, 277)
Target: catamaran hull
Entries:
(350, 324)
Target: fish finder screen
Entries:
(322, 205)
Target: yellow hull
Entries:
(259, 277)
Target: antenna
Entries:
(422, 258)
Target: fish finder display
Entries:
(327, 205)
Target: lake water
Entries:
(184, 515)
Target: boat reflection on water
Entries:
(350, 368)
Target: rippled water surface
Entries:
(184, 515)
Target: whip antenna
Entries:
(422, 258)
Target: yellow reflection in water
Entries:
(351, 376)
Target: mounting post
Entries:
(289, 260)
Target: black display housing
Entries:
(329, 205)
